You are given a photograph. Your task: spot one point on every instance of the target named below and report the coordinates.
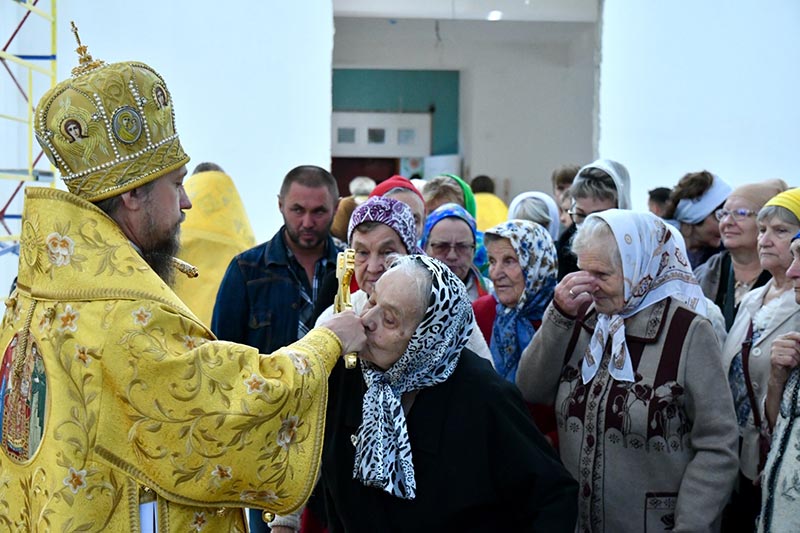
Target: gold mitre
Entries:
(109, 128)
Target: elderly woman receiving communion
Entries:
(425, 434)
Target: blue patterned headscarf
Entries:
(450, 210)
(512, 330)
(383, 451)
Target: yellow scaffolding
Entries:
(33, 65)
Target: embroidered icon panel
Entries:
(23, 396)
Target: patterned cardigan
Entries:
(657, 454)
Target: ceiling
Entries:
(519, 10)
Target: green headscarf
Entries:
(469, 197)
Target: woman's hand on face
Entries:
(574, 291)
(784, 357)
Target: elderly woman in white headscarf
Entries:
(645, 419)
(424, 435)
(537, 207)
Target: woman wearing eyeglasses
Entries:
(600, 185)
(728, 275)
(764, 314)
(450, 236)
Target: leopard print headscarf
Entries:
(383, 451)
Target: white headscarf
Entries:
(694, 211)
(618, 173)
(552, 209)
(654, 267)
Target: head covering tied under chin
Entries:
(383, 452)
(513, 329)
(654, 267)
(109, 128)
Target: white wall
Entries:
(700, 84)
(251, 81)
(527, 89)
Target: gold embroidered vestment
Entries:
(113, 393)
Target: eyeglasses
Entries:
(576, 217)
(443, 248)
(737, 214)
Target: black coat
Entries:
(479, 461)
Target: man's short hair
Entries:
(310, 176)
(659, 194)
(109, 206)
(482, 184)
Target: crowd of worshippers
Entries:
(652, 354)
(561, 364)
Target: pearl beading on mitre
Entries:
(120, 159)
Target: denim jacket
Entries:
(259, 299)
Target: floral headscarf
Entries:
(383, 451)
(512, 330)
(450, 210)
(654, 267)
(391, 212)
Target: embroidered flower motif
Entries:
(255, 383)
(68, 320)
(59, 249)
(141, 317)
(44, 322)
(199, 521)
(84, 354)
(190, 343)
(222, 472)
(288, 431)
(300, 362)
(76, 480)
(260, 496)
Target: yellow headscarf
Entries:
(787, 199)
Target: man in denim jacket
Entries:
(267, 295)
